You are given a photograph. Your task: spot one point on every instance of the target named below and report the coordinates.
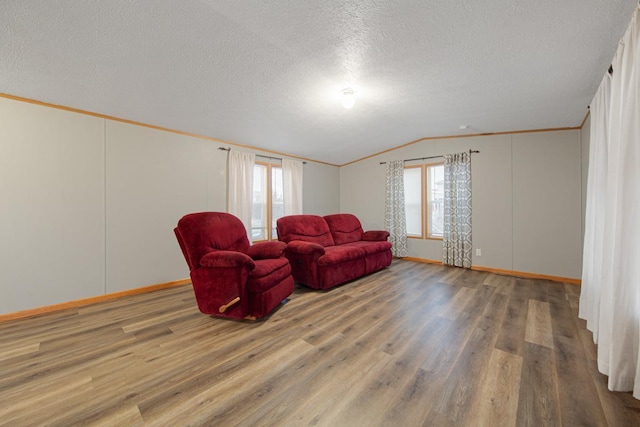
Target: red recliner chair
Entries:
(230, 277)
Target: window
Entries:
(413, 200)
(424, 200)
(435, 200)
(268, 203)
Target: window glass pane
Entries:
(277, 199)
(435, 196)
(413, 200)
(259, 213)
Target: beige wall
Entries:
(526, 199)
(89, 204)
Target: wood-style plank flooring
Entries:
(412, 345)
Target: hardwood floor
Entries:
(412, 345)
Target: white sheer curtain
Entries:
(611, 294)
(456, 237)
(292, 186)
(395, 220)
(240, 187)
(596, 208)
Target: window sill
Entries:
(424, 238)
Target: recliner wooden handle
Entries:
(224, 307)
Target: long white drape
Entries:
(240, 187)
(292, 186)
(456, 237)
(395, 220)
(610, 296)
(596, 208)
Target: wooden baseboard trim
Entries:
(526, 275)
(92, 300)
(506, 272)
(423, 260)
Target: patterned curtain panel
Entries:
(457, 210)
(395, 221)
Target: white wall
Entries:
(153, 179)
(547, 203)
(321, 189)
(52, 212)
(89, 204)
(526, 199)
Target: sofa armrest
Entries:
(227, 259)
(266, 250)
(305, 248)
(375, 235)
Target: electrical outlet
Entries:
(478, 252)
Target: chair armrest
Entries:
(305, 248)
(266, 250)
(227, 259)
(375, 235)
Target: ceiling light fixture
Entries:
(348, 97)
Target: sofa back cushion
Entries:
(345, 228)
(308, 228)
(203, 232)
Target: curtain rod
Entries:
(258, 155)
(430, 157)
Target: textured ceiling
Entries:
(268, 73)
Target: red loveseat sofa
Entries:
(230, 277)
(327, 251)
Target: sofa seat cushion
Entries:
(337, 254)
(267, 273)
(370, 248)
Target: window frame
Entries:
(273, 233)
(424, 201)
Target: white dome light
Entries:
(348, 98)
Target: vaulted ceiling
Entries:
(268, 74)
